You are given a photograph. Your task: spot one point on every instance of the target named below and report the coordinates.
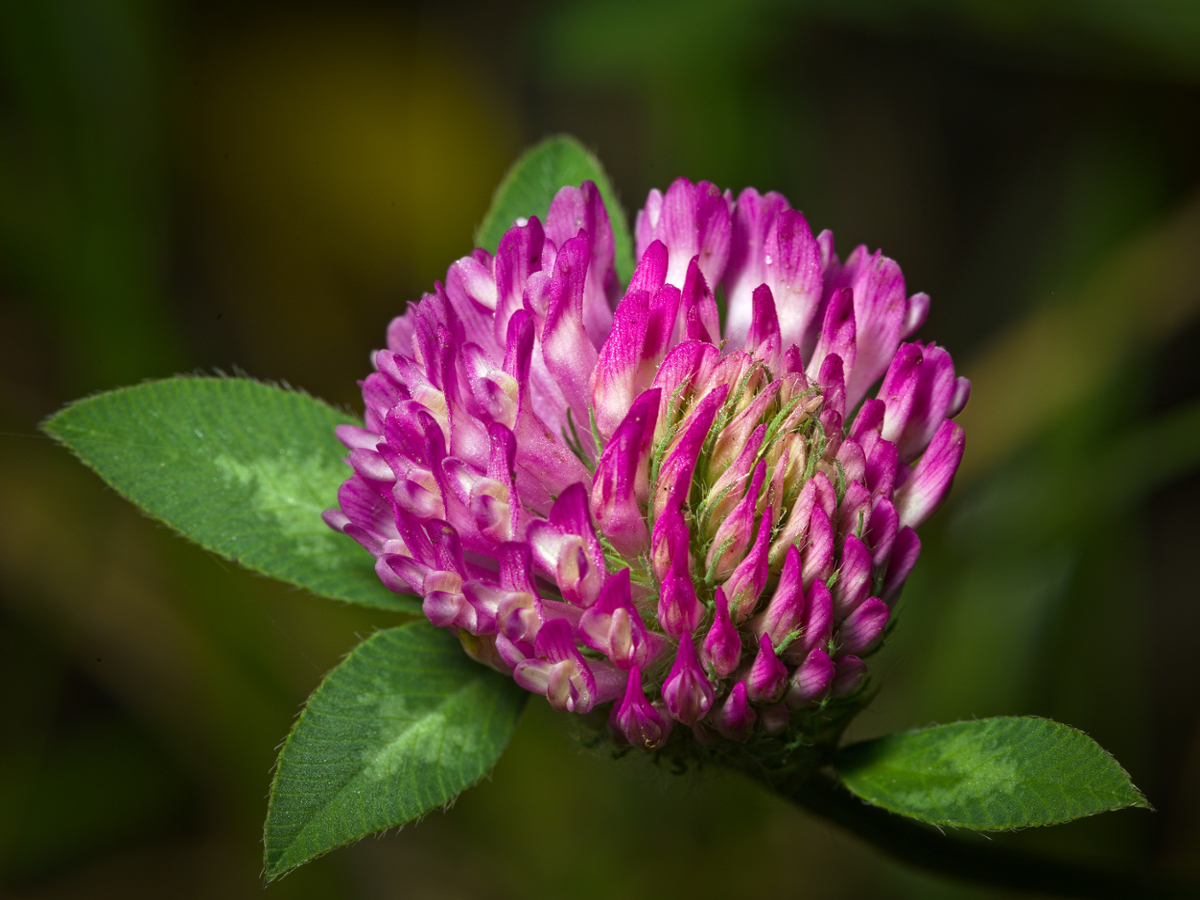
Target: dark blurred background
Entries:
(261, 187)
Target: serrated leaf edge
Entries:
(46, 426)
(1141, 803)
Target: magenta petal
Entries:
(774, 245)
(933, 389)
(686, 365)
(354, 437)
(795, 529)
(698, 307)
(735, 719)
(753, 216)
(686, 692)
(731, 487)
(449, 608)
(768, 675)
(435, 334)
(744, 431)
(882, 467)
(915, 312)
(636, 719)
(722, 648)
(596, 621)
(613, 626)
(675, 476)
(826, 493)
(793, 269)
(831, 425)
(402, 329)
(832, 379)
(729, 544)
(670, 535)
(854, 514)
(924, 490)
(837, 333)
(646, 224)
(853, 461)
(692, 220)
(962, 392)
(746, 584)
(617, 373)
(569, 353)
(582, 207)
(864, 627)
(371, 466)
(569, 684)
(512, 654)
(784, 613)
(516, 567)
(502, 470)
(573, 515)
(854, 578)
(679, 609)
(371, 517)
(563, 557)
(621, 483)
(868, 420)
(849, 672)
(610, 680)
(494, 394)
(531, 674)
(810, 683)
(880, 309)
(471, 290)
(881, 532)
(660, 330)
(818, 552)
(518, 346)
(793, 363)
(485, 598)
(518, 256)
(818, 623)
(519, 618)
(545, 464)
(904, 556)
(447, 547)
(763, 340)
(899, 390)
(651, 271)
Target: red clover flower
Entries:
(614, 500)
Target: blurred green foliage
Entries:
(198, 185)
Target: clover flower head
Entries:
(616, 500)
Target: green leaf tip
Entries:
(242, 468)
(989, 775)
(401, 727)
(534, 179)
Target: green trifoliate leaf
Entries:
(988, 775)
(402, 726)
(242, 468)
(533, 181)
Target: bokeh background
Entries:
(260, 187)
